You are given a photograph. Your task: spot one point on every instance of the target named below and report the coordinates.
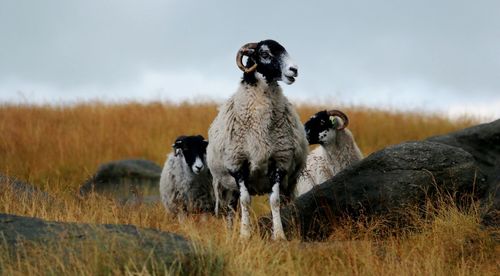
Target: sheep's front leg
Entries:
(276, 177)
(245, 202)
(240, 177)
(231, 208)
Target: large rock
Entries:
(126, 180)
(491, 206)
(383, 184)
(483, 142)
(138, 244)
(22, 188)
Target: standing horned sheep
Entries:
(337, 149)
(257, 141)
(186, 183)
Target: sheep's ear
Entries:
(177, 144)
(334, 121)
(177, 147)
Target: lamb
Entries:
(185, 182)
(337, 149)
(257, 141)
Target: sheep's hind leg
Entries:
(215, 186)
(276, 178)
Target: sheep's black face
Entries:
(194, 150)
(273, 63)
(321, 128)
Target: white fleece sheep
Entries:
(337, 151)
(186, 183)
(257, 141)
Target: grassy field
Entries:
(58, 147)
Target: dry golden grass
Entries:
(58, 147)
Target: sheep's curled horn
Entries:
(246, 50)
(342, 115)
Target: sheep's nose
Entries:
(293, 69)
(198, 167)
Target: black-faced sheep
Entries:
(186, 183)
(257, 141)
(337, 149)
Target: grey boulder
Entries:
(383, 184)
(22, 188)
(483, 143)
(125, 180)
(142, 244)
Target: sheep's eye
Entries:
(265, 55)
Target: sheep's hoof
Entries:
(244, 235)
(280, 236)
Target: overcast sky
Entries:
(437, 55)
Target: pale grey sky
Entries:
(437, 55)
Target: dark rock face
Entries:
(125, 180)
(384, 183)
(165, 246)
(491, 204)
(483, 142)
